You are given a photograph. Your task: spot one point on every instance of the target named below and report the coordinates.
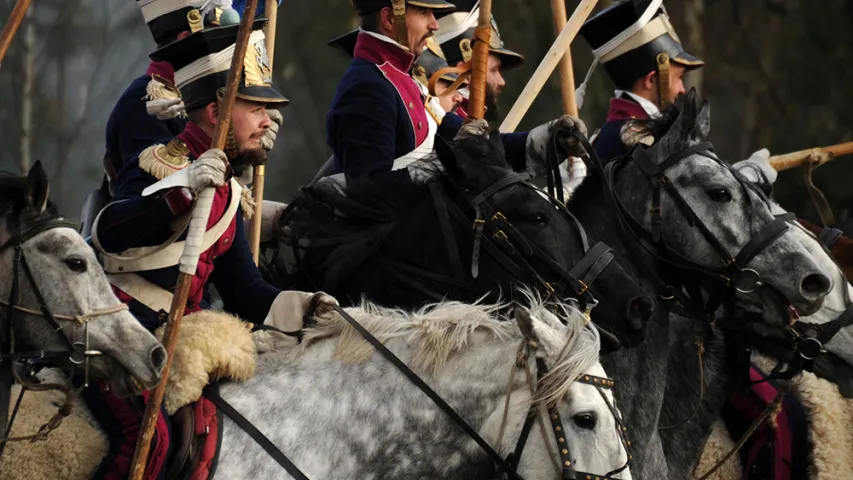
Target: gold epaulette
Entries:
(160, 160)
(631, 135)
(161, 89)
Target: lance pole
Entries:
(549, 63)
(11, 27)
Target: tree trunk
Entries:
(694, 15)
(27, 92)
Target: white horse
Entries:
(340, 410)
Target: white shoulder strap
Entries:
(168, 254)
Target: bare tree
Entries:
(27, 91)
(694, 16)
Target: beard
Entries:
(248, 159)
(493, 112)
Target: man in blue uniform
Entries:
(635, 43)
(378, 123)
(140, 235)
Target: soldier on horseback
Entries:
(637, 46)
(455, 34)
(138, 236)
(378, 122)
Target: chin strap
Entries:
(663, 80)
(399, 8)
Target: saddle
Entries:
(196, 438)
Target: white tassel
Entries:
(166, 109)
(580, 93)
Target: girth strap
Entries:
(253, 432)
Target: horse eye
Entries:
(587, 421)
(721, 195)
(540, 219)
(76, 264)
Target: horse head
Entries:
(537, 230)
(706, 222)
(56, 301)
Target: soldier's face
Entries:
(448, 102)
(494, 78)
(249, 120)
(676, 81)
(421, 24)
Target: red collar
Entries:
(622, 109)
(196, 139)
(374, 50)
(163, 70)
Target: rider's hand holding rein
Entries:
(540, 138)
(286, 315)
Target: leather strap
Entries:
(256, 434)
(415, 379)
(824, 211)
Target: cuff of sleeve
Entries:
(179, 200)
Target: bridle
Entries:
(77, 353)
(566, 464)
(734, 276)
(494, 232)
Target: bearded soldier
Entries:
(139, 236)
(455, 34)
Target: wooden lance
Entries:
(192, 248)
(567, 74)
(11, 27)
(480, 61)
(818, 155)
(259, 174)
(549, 63)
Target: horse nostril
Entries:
(158, 359)
(639, 312)
(815, 286)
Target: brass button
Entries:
(227, 240)
(411, 105)
(420, 125)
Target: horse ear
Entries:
(525, 323)
(447, 157)
(38, 188)
(703, 121)
(682, 128)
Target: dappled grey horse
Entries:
(340, 411)
(703, 241)
(56, 307)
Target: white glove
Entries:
(757, 168)
(270, 216)
(286, 314)
(268, 140)
(573, 172)
(208, 170)
(540, 137)
(165, 109)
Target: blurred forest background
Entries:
(777, 76)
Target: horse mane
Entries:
(655, 127)
(441, 330)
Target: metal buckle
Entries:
(747, 280)
(498, 216)
(812, 352)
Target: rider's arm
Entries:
(239, 282)
(362, 127)
(133, 220)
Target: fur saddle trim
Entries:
(160, 160)
(212, 345)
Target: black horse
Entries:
(475, 229)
